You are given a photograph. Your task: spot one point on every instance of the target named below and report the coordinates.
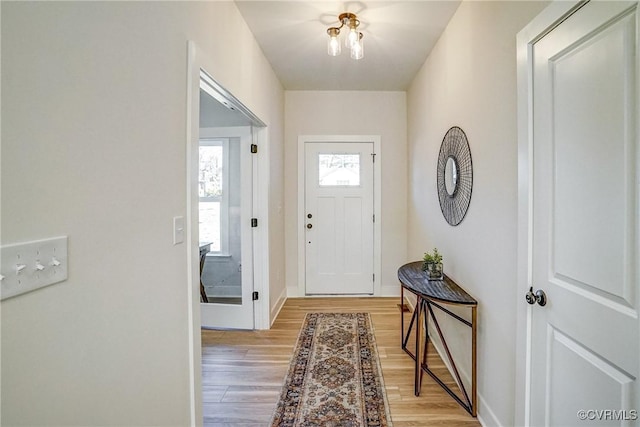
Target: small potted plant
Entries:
(432, 265)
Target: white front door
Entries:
(585, 346)
(339, 217)
(226, 200)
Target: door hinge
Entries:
(374, 217)
(374, 277)
(254, 297)
(373, 156)
(254, 222)
(254, 148)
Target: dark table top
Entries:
(415, 280)
(204, 247)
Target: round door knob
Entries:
(309, 216)
(309, 226)
(541, 297)
(538, 297)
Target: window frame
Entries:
(224, 198)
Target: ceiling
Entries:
(213, 114)
(398, 37)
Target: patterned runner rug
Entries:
(334, 379)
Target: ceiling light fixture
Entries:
(353, 40)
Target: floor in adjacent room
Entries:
(243, 371)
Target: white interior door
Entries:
(585, 340)
(339, 218)
(226, 205)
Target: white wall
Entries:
(352, 113)
(93, 147)
(469, 80)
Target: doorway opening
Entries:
(226, 171)
(227, 186)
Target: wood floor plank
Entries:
(260, 394)
(213, 393)
(242, 412)
(243, 371)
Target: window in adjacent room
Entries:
(213, 188)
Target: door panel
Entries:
(353, 222)
(339, 198)
(598, 59)
(570, 363)
(585, 341)
(227, 275)
(325, 248)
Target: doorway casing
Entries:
(300, 290)
(198, 67)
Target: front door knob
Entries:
(538, 297)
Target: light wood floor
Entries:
(243, 371)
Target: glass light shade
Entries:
(352, 38)
(357, 50)
(333, 47)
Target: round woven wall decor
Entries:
(455, 176)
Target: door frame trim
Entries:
(377, 195)
(541, 25)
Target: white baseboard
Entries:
(486, 417)
(275, 310)
(293, 292)
(385, 291)
(390, 291)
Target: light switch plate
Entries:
(32, 265)
(178, 229)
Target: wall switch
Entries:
(32, 265)
(178, 229)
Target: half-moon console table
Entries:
(430, 294)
